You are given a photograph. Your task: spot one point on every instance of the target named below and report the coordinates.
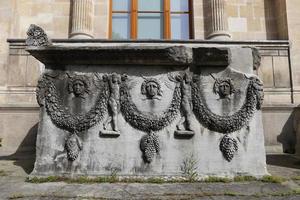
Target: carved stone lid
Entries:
(115, 55)
(42, 48)
(131, 55)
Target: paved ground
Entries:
(14, 169)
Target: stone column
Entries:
(219, 30)
(82, 19)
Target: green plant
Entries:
(3, 173)
(189, 168)
(272, 179)
(296, 178)
(244, 178)
(16, 196)
(114, 175)
(214, 179)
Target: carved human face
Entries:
(224, 89)
(78, 88)
(114, 78)
(152, 89)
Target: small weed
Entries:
(45, 179)
(3, 173)
(229, 193)
(16, 196)
(272, 179)
(296, 178)
(189, 168)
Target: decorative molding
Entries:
(37, 36)
(230, 123)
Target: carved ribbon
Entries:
(228, 123)
(144, 122)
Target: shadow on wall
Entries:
(270, 20)
(25, 154)
(207, 18)
(287, 135)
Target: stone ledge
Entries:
(232, 42)
(19, 107)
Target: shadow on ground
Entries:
(25, 154)
(283, 160)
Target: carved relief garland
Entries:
(228, 123)
(60, 115)
(47, 96)
(143, 122)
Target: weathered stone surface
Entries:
(114, 55)
(125, 91)
(211, 56)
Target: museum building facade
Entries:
(271, 26)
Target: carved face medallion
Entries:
(78, 85)
(224, 87)
(78, 88)
(151, 88)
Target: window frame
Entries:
(133, 13)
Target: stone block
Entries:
(278, 128)
(237, 24)
(232, 11)
(33, 71)
(265, 71)
(17, 73)
(20, 128)
(282, 72)
(126, 107)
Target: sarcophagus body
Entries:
(147, 109)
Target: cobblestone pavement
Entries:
(13, 171)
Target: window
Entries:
(150, 19)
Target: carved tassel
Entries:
(73, 147)
(228, 146)
(149, 146)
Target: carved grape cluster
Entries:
(228, 147)
(149, 146)
(73, 146)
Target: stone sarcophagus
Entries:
(147, 109)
